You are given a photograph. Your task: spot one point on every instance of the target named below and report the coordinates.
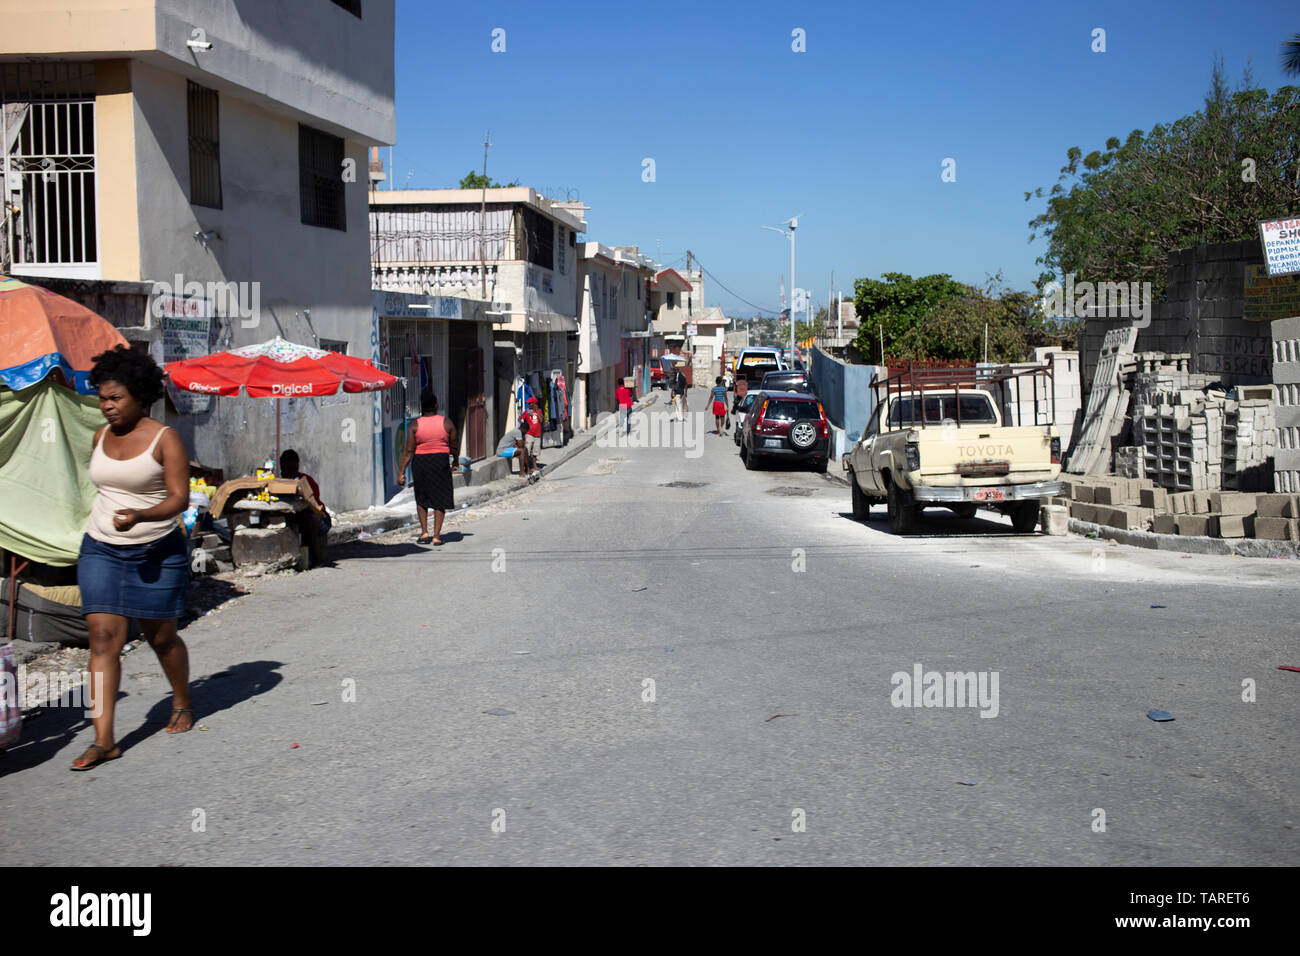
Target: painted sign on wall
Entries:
(186, 322)
(1270, 297)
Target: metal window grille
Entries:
(47, 168)
(205, 147)
(320, 178)
(559, 248)
(540, 239)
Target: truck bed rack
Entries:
(915, 382)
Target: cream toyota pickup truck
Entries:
(937, 439)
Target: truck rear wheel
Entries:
(902, 510)
(861, 503)
(1024, 516)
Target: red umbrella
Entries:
(277, 369)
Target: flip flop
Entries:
(105, 756)
(438, 542)
(424, 539)
(171, 723)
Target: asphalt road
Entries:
(501, 711)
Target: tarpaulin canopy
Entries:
(46, 432)
(277, 369)
(41, 331)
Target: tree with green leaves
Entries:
(475, 180)
(936, 317)
(1115, 214)
(899, 303)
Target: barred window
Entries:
(539, 233)
(205, 147)
(320, 178)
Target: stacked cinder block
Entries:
(1130, 504)
(1249, 442)
(1277, 516)
(1286, 379)
(1195, 441)
(1110, 500)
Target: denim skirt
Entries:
(144, 581)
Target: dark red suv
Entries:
(786, 425)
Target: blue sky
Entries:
(851, 133)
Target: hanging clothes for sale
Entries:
(522, 394)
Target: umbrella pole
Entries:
(277, 434)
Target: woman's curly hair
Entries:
(134, 370)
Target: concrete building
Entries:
(614, 332)
(443, 343)
(196, 172)
(679, 313)
(520, 254)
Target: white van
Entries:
(753, 363)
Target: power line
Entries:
(729, 292)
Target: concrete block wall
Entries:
(1201, 315)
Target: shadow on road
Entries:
(56, 727)
(942, 524)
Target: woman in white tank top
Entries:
(133, 561)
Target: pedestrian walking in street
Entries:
(428, 452)
(133, 561)
(679, 393)
(719, 393)
(625, 401)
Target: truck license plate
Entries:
(989, 494)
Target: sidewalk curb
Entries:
(392, 520)
(1242, 547)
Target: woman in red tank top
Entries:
(428, 451)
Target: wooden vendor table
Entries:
(266, 531)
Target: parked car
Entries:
(786, 425)
(786, 380)
(742, 407)
(657, 378)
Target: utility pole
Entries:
(482, 220)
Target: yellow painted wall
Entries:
(31, 27)
(118, 213)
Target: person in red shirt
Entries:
(531, 423)
(625, 400)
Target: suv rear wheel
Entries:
(803, 434)
(748, 458)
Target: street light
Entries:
(791, 224)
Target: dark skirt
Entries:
(433, 488)
(144, 581)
